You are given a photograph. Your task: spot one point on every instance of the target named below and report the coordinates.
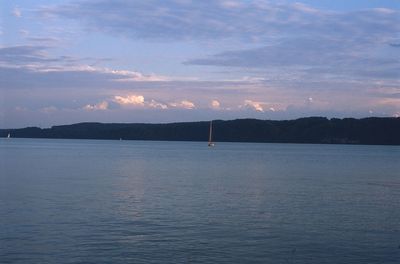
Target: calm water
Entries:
(81, 201)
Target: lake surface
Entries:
(94, 201)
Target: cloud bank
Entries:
(255, 58)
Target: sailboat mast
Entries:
(210, 136)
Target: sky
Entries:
(158, 61)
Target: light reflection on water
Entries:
(89, 201)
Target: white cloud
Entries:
(129, 76)
(254, 105)
(117, 75)
(158, 105)
(139, 100)
(187, 104)
(309, 101)
(215, 104)
(129, 100)
(183, 104)
(100, 106)
(17, 12)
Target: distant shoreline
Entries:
(313, 130)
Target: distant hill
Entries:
(375, 131)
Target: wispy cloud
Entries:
(23, 32)
(23, 55)
(180, 20)
(17, 12)
(48, 109)
(354, 45)
(177, 20)
(291, 37)
(46, 40)
(34, 62)
(129, 76)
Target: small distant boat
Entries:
(210, 142)
(8, 136)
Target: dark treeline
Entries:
(382, 131)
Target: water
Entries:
(82, 201)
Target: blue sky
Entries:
(184, 60)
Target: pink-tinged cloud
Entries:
(138, 100)
(185, 104)
(100, 106)
(215, 104)
(257, 106)
(129, 100)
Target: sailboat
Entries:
(210, 142)
(8, 136)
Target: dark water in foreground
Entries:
(79, 201)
